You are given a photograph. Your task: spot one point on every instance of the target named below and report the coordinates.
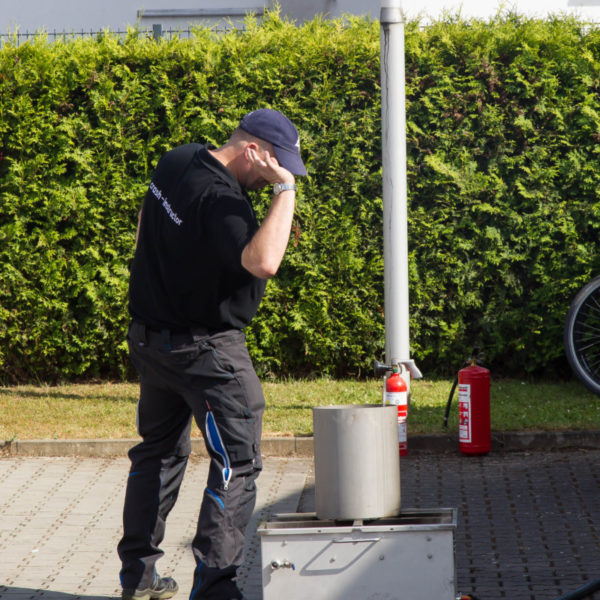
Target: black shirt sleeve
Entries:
(229, 223)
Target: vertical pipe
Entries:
(395, 230)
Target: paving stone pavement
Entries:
(60, 522)
(528, 523)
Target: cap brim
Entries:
(290, 161)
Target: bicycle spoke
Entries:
(587, 334)
(583, 352)
(592, 368)
(594, 300)
(583, 326)
(595, 308)
(590, 351)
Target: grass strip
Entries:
(107, 410)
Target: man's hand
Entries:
(267, 167)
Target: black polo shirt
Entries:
(187, 269)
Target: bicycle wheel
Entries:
(582, 335)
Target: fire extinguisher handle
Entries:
(409, 364)
(380, 368)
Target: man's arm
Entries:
(137, 231)
(264, 253)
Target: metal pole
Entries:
(395, 231)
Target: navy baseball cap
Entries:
(274, 127)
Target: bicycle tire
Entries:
(582, 335)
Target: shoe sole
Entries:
(151, 595)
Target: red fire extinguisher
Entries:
(474, 427)
(396, 393)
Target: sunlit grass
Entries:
(68, 411)
(107, 410)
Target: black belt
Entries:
(171, 337)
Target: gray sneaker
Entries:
(161, 589)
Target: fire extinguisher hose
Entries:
(583, 592)
(470, 361)
(448, 404)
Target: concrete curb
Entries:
(511, 441)
(289, 446)
(515, 441)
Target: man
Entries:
(197, 280)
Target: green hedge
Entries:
(503, 132)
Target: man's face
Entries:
(255, 181)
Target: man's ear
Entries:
(250, 146)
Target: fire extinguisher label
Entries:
(400, 400)
(396, 398)
(402, 429)
(464, 412)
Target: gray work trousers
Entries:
(210, 378)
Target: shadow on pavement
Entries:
(19, 593)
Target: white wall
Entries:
(77, 15)
(587, 9)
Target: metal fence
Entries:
(157, 33)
